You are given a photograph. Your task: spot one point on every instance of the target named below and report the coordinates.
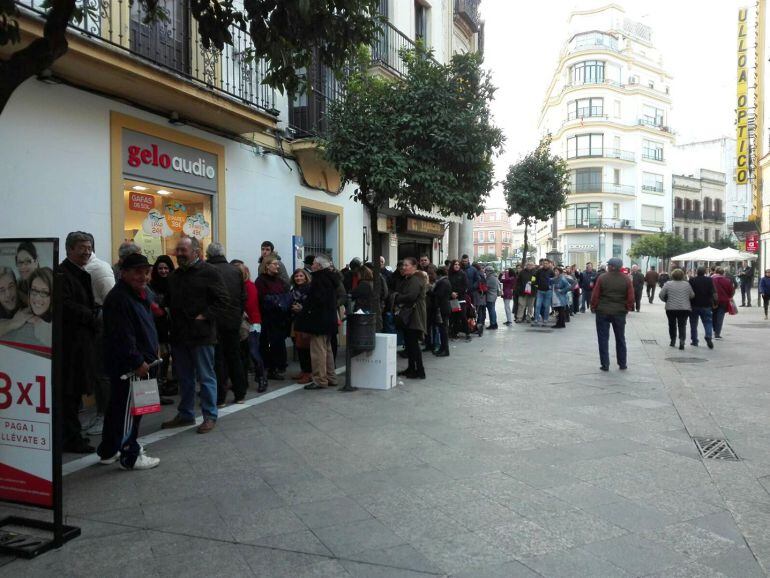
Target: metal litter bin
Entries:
(361, 331)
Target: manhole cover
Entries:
(714, 449)
(535, 330)
(650, 341)
(686, 359)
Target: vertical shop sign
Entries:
(742, 106)
(30, 361)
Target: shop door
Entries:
(165, 43)
(414, 249)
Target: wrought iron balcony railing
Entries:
(468, 10)
(688, 215)
(599, 224)
(386, 50)
(714, 216)
(173, 45)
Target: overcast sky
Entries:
(697, 39)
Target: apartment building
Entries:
(699, 206)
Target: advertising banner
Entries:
(742, 103)
(26, 346)
(752, 242)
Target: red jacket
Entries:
(252, 302)
(724, 287)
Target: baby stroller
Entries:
(470, 315)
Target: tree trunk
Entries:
(376, 254)
(39, 54)
(526, 244)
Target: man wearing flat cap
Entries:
(130, 346)
(611, 300)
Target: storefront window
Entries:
(156, 218)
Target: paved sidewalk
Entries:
(516, 457)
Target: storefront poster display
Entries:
(30, 443)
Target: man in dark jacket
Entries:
(130, 346)
(197, 298)
(227, 353)
(702, 307)
(79, 327)
(543, 276)
(637, 280)
(319, 319)
(746, 277)
(651, 279)
(587, 281)
(442, 293)
(611, 300)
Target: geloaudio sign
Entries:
(742, 108)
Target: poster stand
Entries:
(29, 537)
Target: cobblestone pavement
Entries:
(516, 457)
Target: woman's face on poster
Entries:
(25, 263)
(8, 297)
(39, 297)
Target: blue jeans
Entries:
(719, 317)
(586, 300)
(618, 323)
(703, 314)
(492, 312)
(196, 363)
(543, 305)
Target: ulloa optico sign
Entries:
(162, 162)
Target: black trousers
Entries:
(638, 292)
(651, 292)
(413, 350)
(120, 427)
(575, 302)
(765, 301)
(70, 420)
(304, 360)
(515, 305)
(228, 364)
(746, 293)
(443, 335)
(272, 346)
(677, 320)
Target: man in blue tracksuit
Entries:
(130, 346)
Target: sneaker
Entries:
(111, 460)
(177, 421)
(143, 462)
(275, 375)
(206, 426)
(96, 427)
(694, 343)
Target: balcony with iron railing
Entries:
(606, 153)
(386, 49)
(716, 216)
(653, 189)
(172, 45)
(468, 12)
(611, 188)
(688, 215)
(653, 123)
(598, 223)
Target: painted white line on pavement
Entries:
(92, 459)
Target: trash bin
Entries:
(361, 331)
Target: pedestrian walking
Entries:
(80, 326)
(725, 289)
(410, 301)
(274, 304)
(587, 283)
(611, 300)
(651, 281)
(677, 294)
(319, 319)
(130, 346)
(198, 298)
(637, 280)
(764, 290)
(702, 307)
(227, 352)
(493, 290)
(576, 276)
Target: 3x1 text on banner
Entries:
(742, 103)
(26, 317)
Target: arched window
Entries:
(696, 205)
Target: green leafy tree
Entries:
(286, 34)
(536, 187)
(488, 258)
(659, 245)
(425, 141)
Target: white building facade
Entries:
(608, 109)
(130, 141)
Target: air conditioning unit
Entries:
(633, 80)
(626, 224)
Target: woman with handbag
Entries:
(725, 290)
(459, 282)
(274, 303)
(252, 325)
(411, 314)
(442, 291)
(677, 294)
(561, 287)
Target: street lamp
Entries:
(601, 236)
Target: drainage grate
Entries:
(686, 359)
(650, 341)
(714, 449)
